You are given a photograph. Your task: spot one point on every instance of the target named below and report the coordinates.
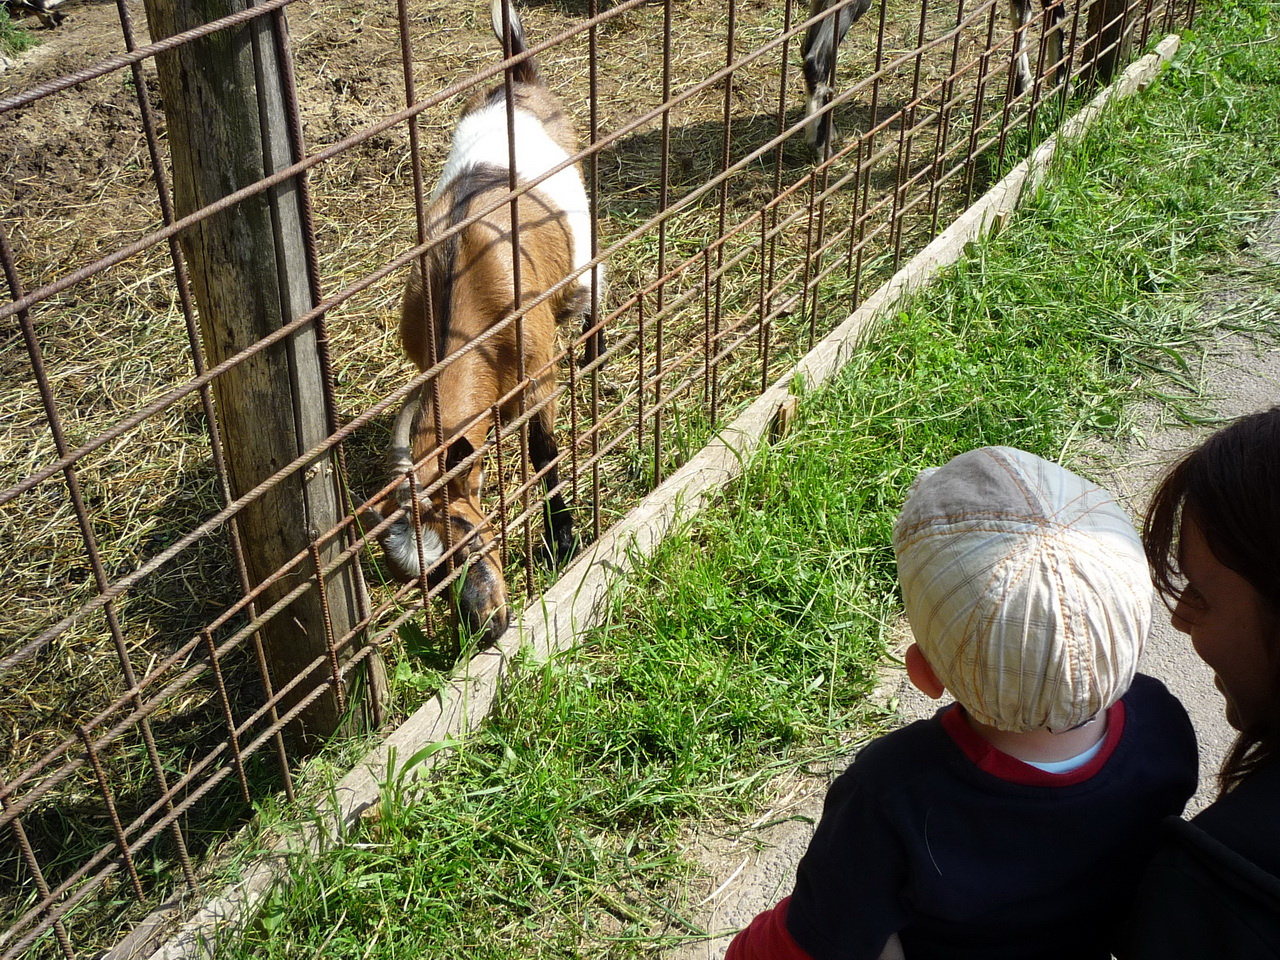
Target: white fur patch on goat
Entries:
(481, 138)
(401, 548)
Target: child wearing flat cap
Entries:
(1015, 822)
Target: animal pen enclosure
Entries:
(191, 603)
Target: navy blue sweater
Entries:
(967, 852)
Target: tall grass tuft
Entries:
(13, 37)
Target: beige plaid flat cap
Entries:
(1026, 587)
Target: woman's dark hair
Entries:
(1230, 487)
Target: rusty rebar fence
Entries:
(145, 709)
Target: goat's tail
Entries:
(526, 71)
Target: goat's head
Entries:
(449, 521)
(820, 131)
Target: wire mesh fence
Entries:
(203, 375)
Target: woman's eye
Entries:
(1192, 598)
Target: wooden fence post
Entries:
(1108, 35)
(225, 106)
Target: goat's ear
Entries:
(459, 450)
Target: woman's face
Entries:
(1228, 626)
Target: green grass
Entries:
(746, 647)
(13, 38)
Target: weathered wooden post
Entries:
(1108, 34)
(225, 105)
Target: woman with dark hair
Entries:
(1212, 537)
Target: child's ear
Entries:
(921, 674)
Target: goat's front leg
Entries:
(1054, 15)
(593, 346)
(558, 536)
(819, 51)
(1019, 17)
(581, 305)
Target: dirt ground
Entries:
(751, 866)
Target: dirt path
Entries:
(752, 866)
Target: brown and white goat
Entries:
(468, 297)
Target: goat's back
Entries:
(544, 138)
(536, 101)
(469, 272)
(471, 277)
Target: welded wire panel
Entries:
(146, 709)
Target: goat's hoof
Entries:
(825, 146)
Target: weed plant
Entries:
(746, 647)
(13, 37)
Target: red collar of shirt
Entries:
(988, 758)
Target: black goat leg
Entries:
(559, 539)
